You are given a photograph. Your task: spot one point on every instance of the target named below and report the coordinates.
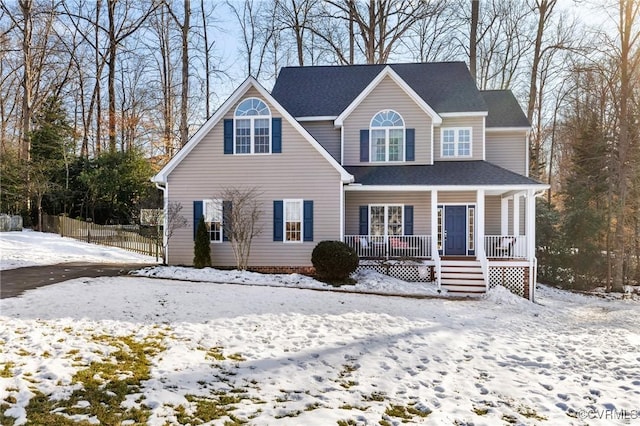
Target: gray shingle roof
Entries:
(441, 173)
(504, 109)
(328, 90)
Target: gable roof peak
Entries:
(326, 91)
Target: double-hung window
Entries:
(387, 137)
(252, 127)
(385, 220)
(456, 142)
(293, 220)
(213, 218)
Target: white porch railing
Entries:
(505, 246)
(390, 246)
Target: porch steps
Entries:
(462, 277)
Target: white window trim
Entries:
(284, 220)
(386, 143)
(386, 218)
(456, 141)
(204, 213)
(252, 135)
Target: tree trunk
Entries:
(629, 10)
(26, 7)
(113, 45)
(473, 38)
(207, 61)
(184, 125)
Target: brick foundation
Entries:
(304, 270)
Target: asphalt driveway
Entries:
(13, 282)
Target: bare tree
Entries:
(120, 26)
(256, 31)
(473, 38)
(296, 15)
(433, 38)
(242, 220)
(629, 76)
(185, 27)
(161, 26)
(382, 23)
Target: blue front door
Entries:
(455, 225)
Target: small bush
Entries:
(202, 247)
(334, 261)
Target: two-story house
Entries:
(405, 162)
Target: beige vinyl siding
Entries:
(464, 197)
(326, 134)
(493, 210)
(421, 202)
(522, 222)
(387, 95)
(299, 172)
(477, 130)
(508, 150)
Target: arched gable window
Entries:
(252, 127)
(387, 136)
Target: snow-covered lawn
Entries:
(140, 350)
(28, 248)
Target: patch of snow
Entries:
(350, 356)
(29, 248)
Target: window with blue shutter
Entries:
(364, 146)
(278, 220)
(276, 135)
(228, 136)
(411, 145)
(307, 232)
(197, 214)
(408, 220)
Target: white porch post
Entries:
(434, 223)
(434, 237)
(516, 214)
(342, 205)
(531, 224)
(480, 223)
(531, 241)
(504, 216)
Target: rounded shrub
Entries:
(334, 261)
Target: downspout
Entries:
(533, 261)
(165, 204)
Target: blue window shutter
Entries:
(226, 220)
(228, 136)
(198, 211)
(307, 210)
(276, 135)
(364, 146)
(364, 220)
(278, 217)
(411, 145)
(408, 220)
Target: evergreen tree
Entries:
(50, 156)
(585, 223)
(202, 247)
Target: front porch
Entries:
(465, 241)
